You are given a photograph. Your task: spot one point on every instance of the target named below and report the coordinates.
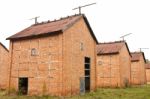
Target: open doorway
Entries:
(87, 73)
(23, 86)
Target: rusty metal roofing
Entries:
(147, 66)
(110, 47)
(51, 27)
(136, 56)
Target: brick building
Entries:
(113, 64)
(138, 72)
(54, 57)
(4, 64)
(147, 67)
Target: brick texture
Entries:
(147, 67)
(148, 76)
(4, 67)
(138, 72)
(113, 70)
(58, 63)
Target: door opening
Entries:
(23, 86)
(87, 73)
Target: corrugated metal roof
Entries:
(147, 66)
(46, 27)
(110, 47)
(51, 27)
(136, 56)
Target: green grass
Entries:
(141, 92)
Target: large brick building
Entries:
(147, 67)
(138, 72)
(113, 64)
(54, 57)
(4, 53)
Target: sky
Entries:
(109, 19)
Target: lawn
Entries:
(141, 92)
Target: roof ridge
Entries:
(61, 18)
(136, 52)
(121, 41)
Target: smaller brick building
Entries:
(138, 72)
(147, 67)
(3, 66)
(113, 64)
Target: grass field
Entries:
(141, 92)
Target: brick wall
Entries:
(148, 76)
(59, 62)
(3, 67)
(113, 69)
(143, 71)
(138, 72)
(135, 73)
(108, 72)
(73, 59)
(43, 69)
(125, 67)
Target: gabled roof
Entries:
(147, 65)
(136, 56)
(111, 47)
(51, 27)
(4, 47)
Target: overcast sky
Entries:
(109, 19)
